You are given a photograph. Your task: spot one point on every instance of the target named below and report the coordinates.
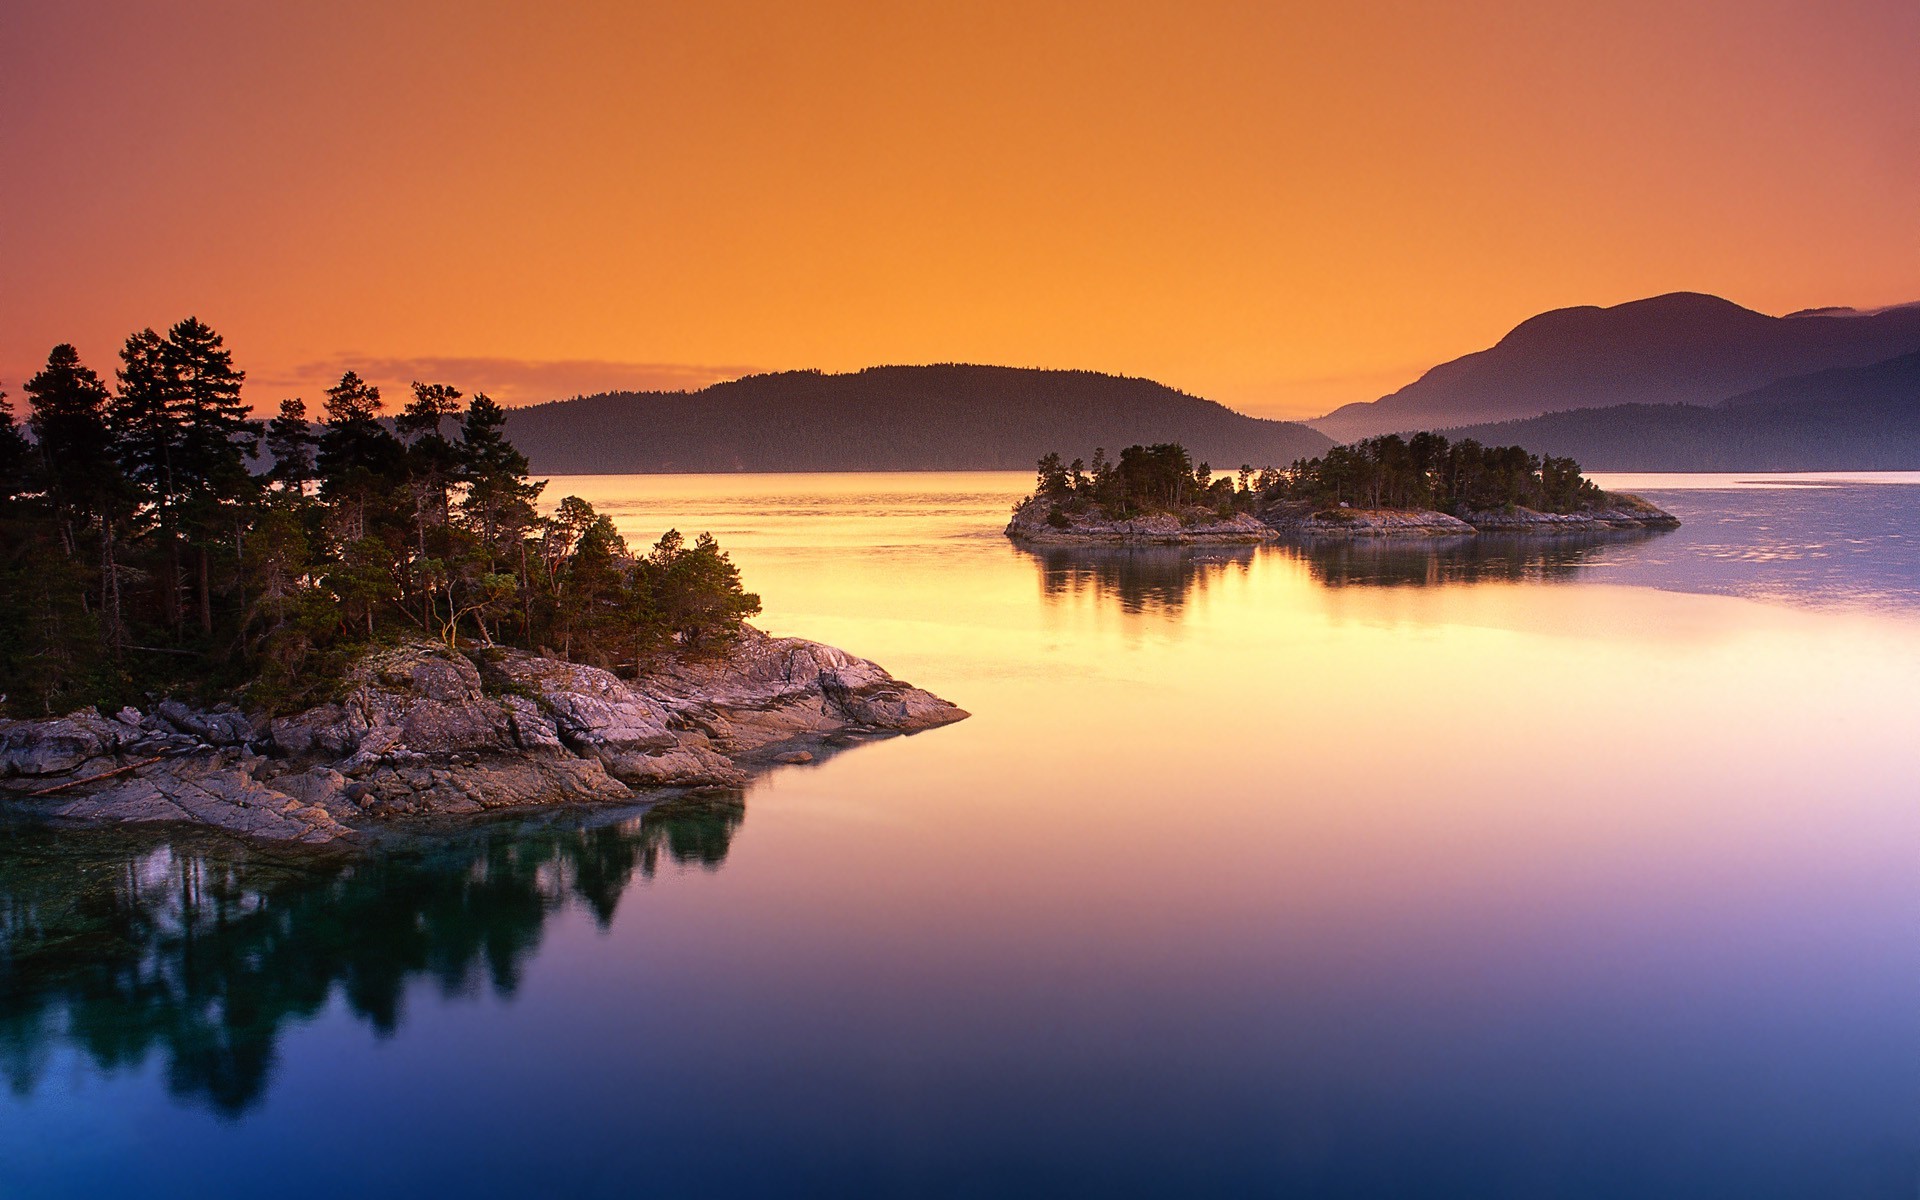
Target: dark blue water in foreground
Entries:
(1576, 870)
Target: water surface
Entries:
(1576, 868)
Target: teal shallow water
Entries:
(1581, 869)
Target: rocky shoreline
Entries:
(423, 731)
(1622, 511)
(1035, 523)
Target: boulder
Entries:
(38, 749)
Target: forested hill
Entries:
(949, 417)
(1683, 348)
(1857, 418)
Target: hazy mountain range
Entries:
(931, 418)
(1683, 348)
(1679, 382)
(1849, 418)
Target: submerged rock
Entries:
(423, 730)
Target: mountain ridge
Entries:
(1841, 419)
(1676, 348)
(944, 416)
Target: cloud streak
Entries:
(511, 381)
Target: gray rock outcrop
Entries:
(1305, 520)
(422, 730)
(1299, 519)
(1041, 522)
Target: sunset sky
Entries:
(1282, 207)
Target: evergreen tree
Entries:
(697, 592)
(145, 416)
(432, 460)
(84, 484)
(15, 455)
(500, 498)
(291, 442)
(358, 460)
(101, 509)
(216, 438)
(68, 416)
(596, 594)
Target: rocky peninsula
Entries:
(421, 730)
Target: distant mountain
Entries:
(1880, 389)
(1683, 348)
(949, 417)
(1851, 418)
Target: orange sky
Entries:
(1281, 207)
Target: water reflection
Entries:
(1484, 558)
(1140, 578)
(126, 945)
(1165, 578)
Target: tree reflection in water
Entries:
(124, 945)
(1141, 578)
(1163, 578)
(1483, 558)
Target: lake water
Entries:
(1579, 869)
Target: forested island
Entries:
(384, 622)
(1424, 485)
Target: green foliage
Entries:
(1158, 478)
(290, 441)
(1421, 471)
(139, 555)
(1428, 471)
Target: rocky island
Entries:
(376, 622)
(1418, 487)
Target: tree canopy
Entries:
(1427, 471)
(145, 549)
(1423, 471)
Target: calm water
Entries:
(1590, 869)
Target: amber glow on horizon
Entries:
(1280, 207)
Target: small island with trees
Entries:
(377, 621)
(1389, 486)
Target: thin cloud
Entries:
(511, 381)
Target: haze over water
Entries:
(1583, 869)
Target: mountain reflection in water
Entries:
(202, 950)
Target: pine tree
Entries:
(145, 417)
(216, 438)
(68, 416)
(84, 483)
(358, 458)
(15, 455)
(291, 442)
(500, 498)
(432, 460)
